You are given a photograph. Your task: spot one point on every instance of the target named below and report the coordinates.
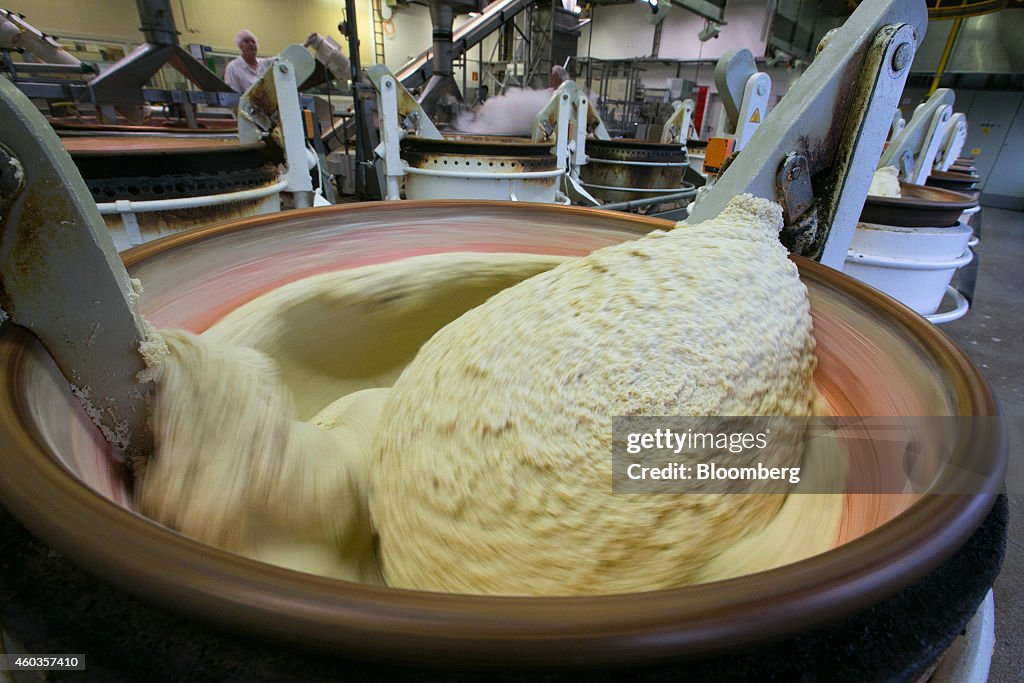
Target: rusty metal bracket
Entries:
(793, 184)
(796, 195)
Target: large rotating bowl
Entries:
(876, 358)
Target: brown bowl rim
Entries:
(186, 576)
(912, 210)
(955, 177)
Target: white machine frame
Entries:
(914, 150)
(953, 140)
(271, 106)
(831, 126)
(744, 93)
(679, 125)
(401, 115)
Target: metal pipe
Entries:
(648, 201)
(622, 162)
(442, 18)
(946, 52)
(525, 175)
(18, 34)
(662, 192)
(908, 264)
(962, 305)
(157, 21)
(126, 206)
(363, 155)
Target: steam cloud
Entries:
(513, 113)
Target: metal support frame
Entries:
(913, 151)
(400, 115)
(836, 117)
(744, 93)
(122, 84)
(122, 87)
(271, 106)
(61, 277)
(552, 122)
(680, 122)
(952, 142)
(18, 34)
(492, 17)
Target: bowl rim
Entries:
(165, 567)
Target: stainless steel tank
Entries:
(623, 169)
(480, 167)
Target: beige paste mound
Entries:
(491, 470)
(264, 424)
(886, 182)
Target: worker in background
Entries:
(558, 76)
(244, 70)
(481, 95)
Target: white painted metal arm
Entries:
(62, 279)
(391, 134)
(408, 111)
(898, 124)
(400, 115)
(680, 122)
(18, 34)
(816, 151)
(271, 106)
(552, 122)
(744, 93)
(753, 108)
(913, 151)
(732, 72)
(952, 142)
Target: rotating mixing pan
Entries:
(919, 206)
(965, 183)
(876, 357)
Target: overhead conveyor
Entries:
(419, 70)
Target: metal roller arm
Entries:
(61, 277)
(817, 150)
(271, 106)
(677, 127)
(913, 151)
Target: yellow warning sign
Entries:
(756, 118)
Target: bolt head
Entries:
(902, 57)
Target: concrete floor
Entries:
(992, 333)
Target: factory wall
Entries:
(411, 35)
(276, 23)
(623, 32)
(115, 20)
